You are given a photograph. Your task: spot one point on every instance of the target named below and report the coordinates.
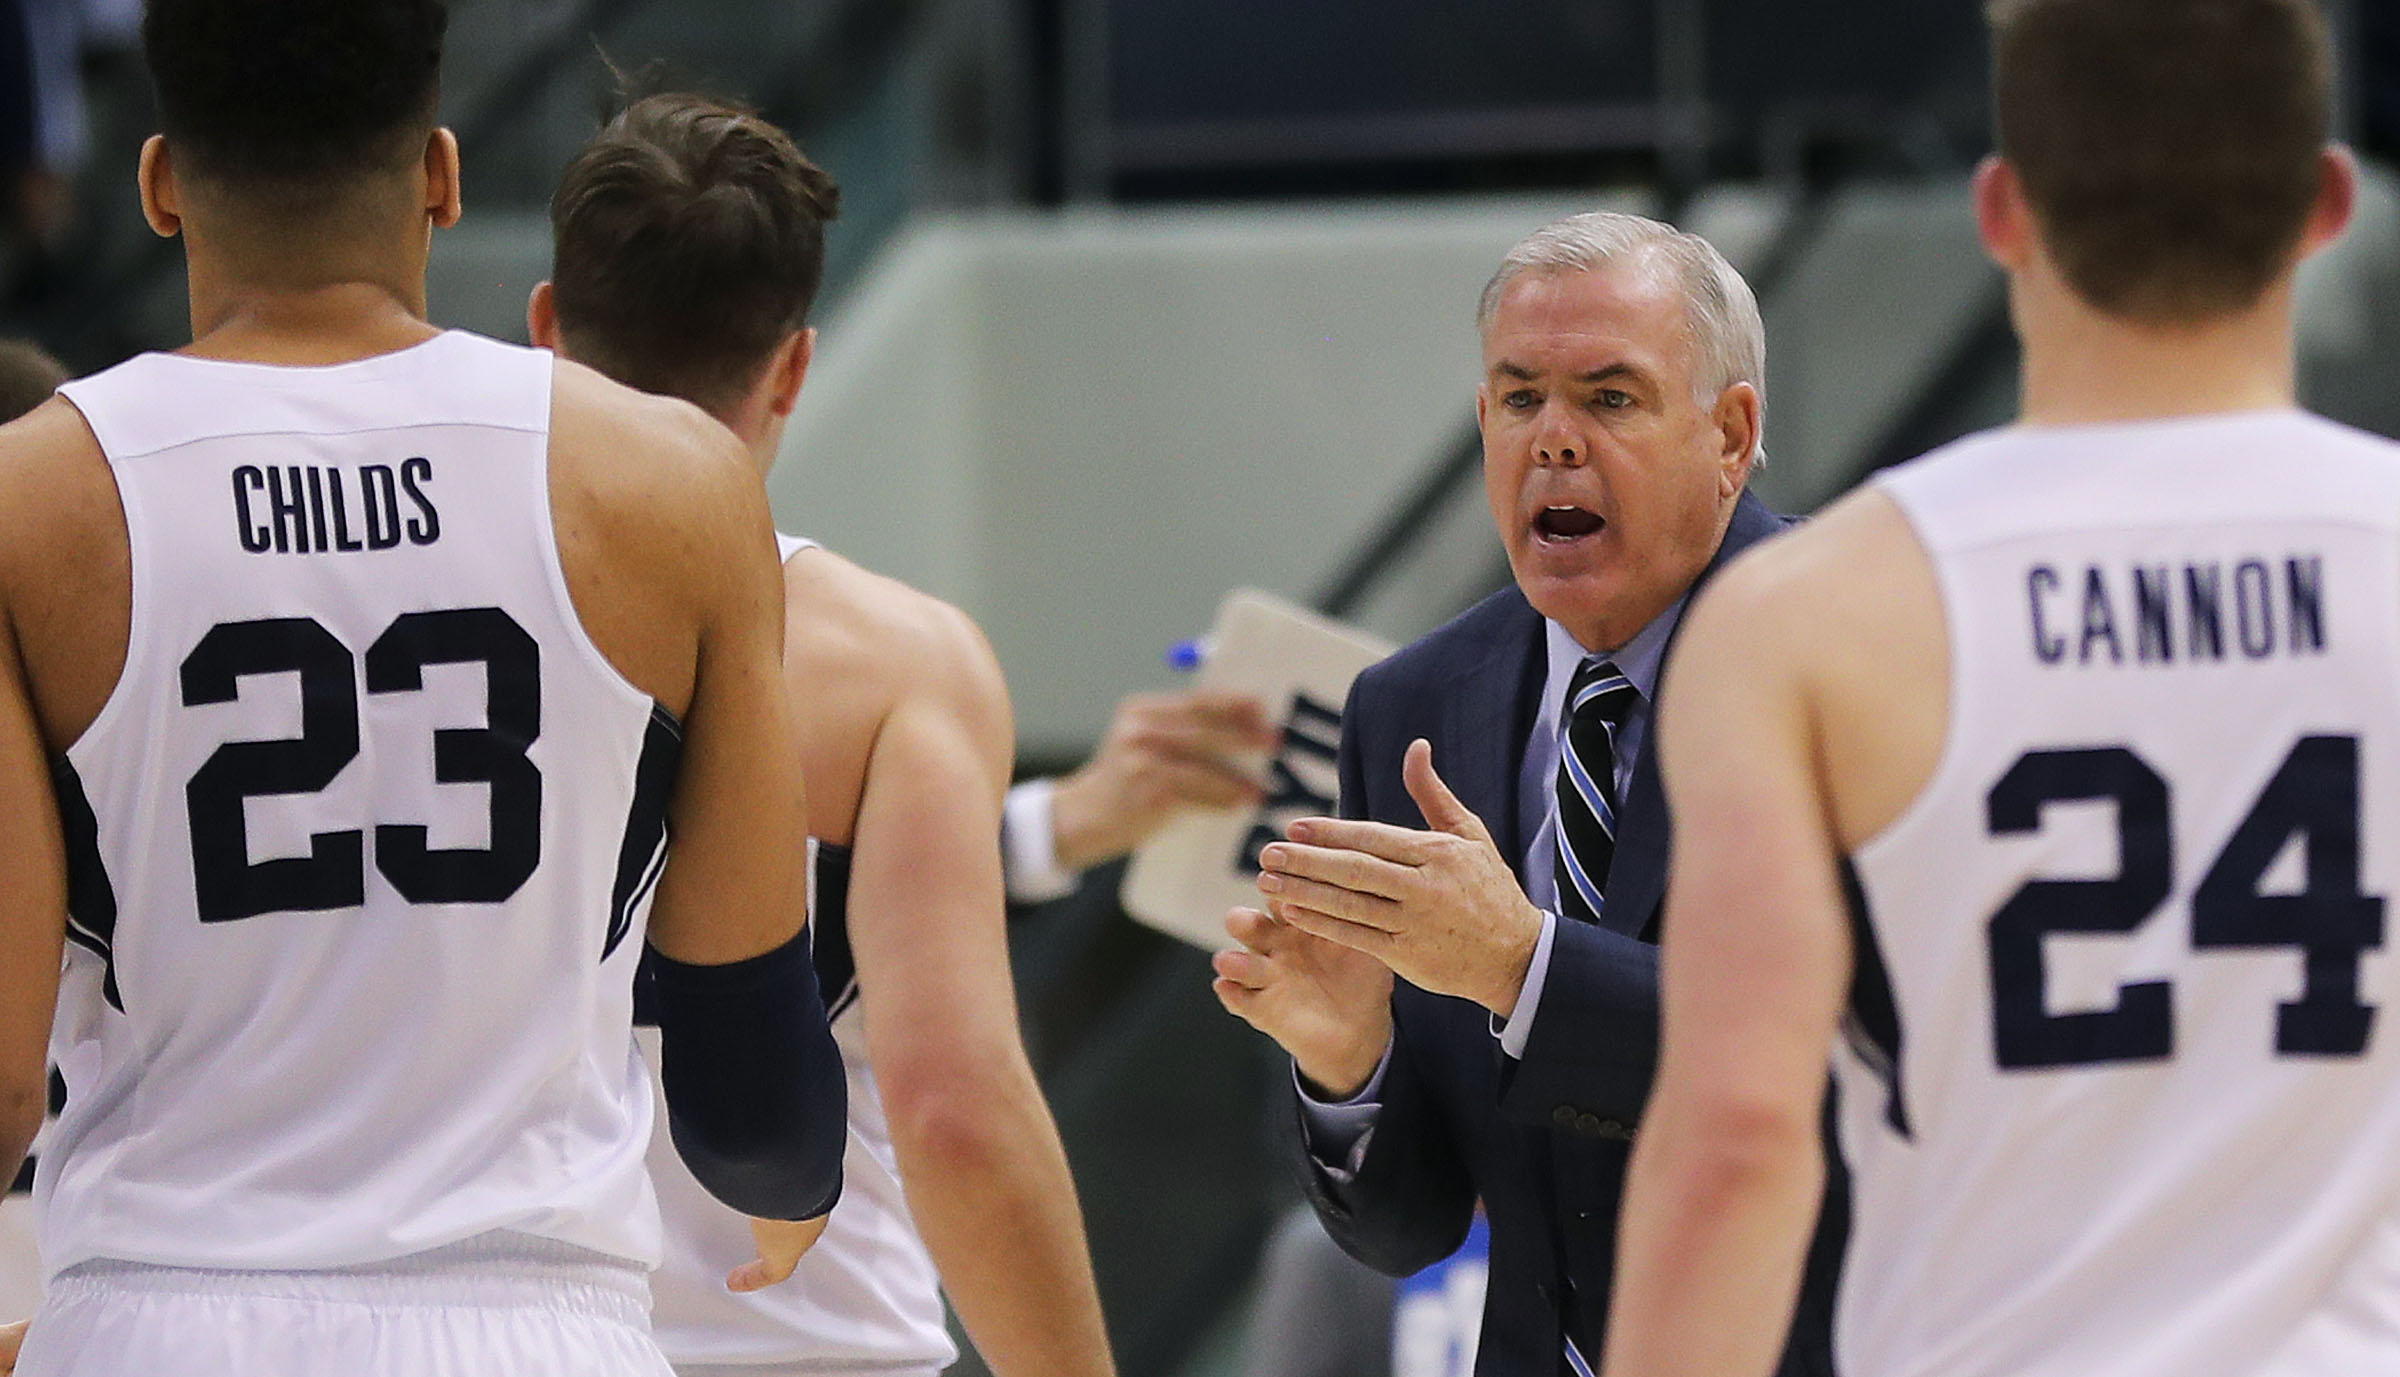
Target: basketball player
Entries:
(351, 675)
(2066, 763)
(690, 246)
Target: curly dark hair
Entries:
(690, 239)
(295, 91)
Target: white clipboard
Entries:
(1300, 665)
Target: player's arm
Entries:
(756, 1098)
(33, 905)
(1729, 1168)
(979, 1155)
(33, 864)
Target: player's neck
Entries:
(2084, 368)
(324, 313)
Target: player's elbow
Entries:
(1727, 1145)
(757, 1099)
(963, 1115)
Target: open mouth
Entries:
(1566, 525)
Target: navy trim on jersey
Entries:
(23, 1185)
(643, 856)
(91, 899)
(829, 931)
(1873, 1024)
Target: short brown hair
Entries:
(2170, 148)
(690, 241)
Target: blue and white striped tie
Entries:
(1599, 701)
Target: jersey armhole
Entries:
(1947, 761)
(554, 561)
(138, 613)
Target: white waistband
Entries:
(499, 1270)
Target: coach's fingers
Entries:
(1240, 1001)
(781, 1245)
(1353, 870)
(1399, 845)
(1255, 930)
(1246, 969)
(1365, 910)
(12, 1340)
(1357, 937)
(1441, 808)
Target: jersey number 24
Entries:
(2315, 796)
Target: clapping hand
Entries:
(1442, 908)
(1327, 1005)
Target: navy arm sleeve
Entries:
(757, 1101)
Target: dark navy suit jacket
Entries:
(1542, 1142)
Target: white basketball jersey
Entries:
(866, 1298)
(362, 845)
(2124, 1092)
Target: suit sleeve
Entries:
(1594, 1044)
(1411, 1201)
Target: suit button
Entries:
(1587, 1125)
(1563, 1116)
(1610, 1128)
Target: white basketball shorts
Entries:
(503, 1304)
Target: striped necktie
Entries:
(1599, 701)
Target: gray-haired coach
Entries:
(1511, 875)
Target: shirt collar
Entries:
(1639, 660)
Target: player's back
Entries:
(361, 844)
(2123, 1099)
(867, 1296)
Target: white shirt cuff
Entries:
(1518, 1030)
(1338, 1134)
(1029, 845)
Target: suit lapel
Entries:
(1485, 723)
(1637, 878)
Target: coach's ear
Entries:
(162, 204)
(541, 317)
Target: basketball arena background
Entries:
(1136, 301)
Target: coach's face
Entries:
(1611, 480)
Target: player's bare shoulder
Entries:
(1849, 610)
(66, 567)
(54, 478)
(654, 467)
(661, 521)
(860, 647)
(839, 612)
